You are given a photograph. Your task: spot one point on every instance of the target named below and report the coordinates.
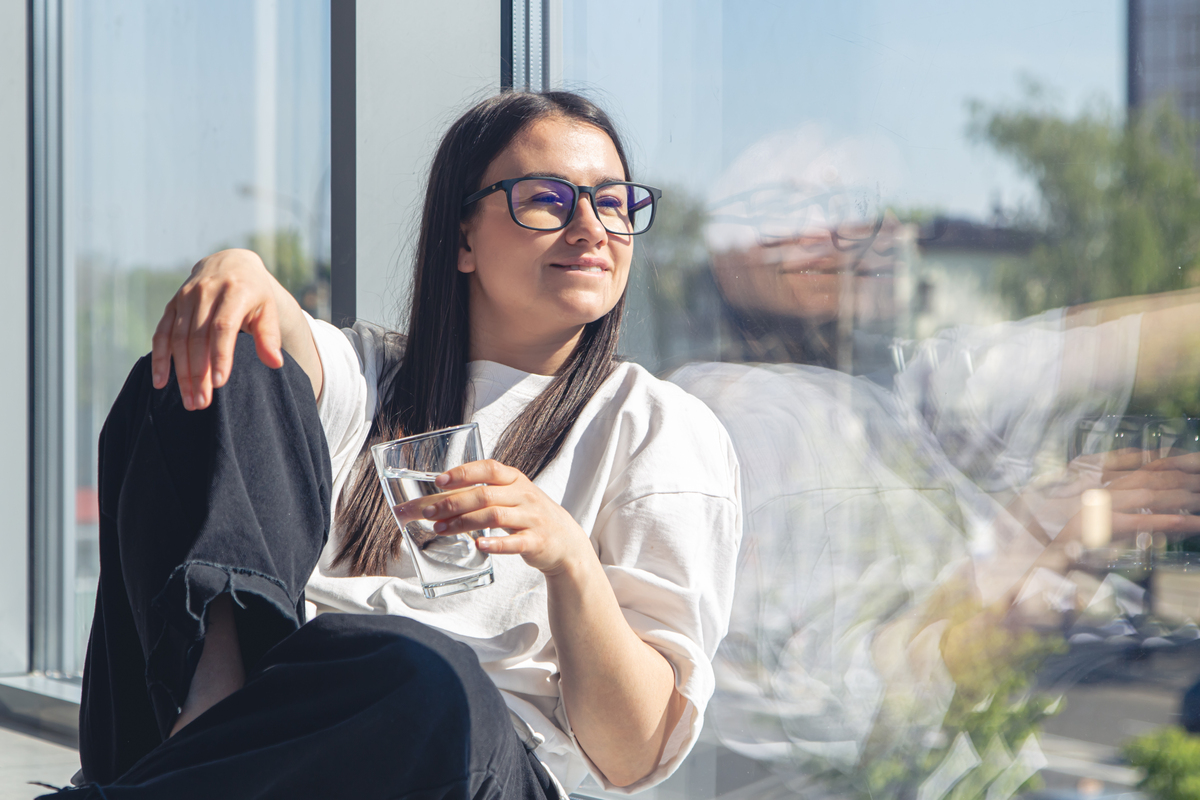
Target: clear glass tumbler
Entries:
(446, 564)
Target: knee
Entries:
(251, 378)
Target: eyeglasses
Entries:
(782, 213)
(548, 204)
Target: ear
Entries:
(466, 256)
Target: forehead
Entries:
(577, 151)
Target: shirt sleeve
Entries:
(346, 405)
(670, 557)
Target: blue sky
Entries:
(695, 82)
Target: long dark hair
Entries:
(429, 388)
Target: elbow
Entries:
(631, 774)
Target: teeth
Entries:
(585, 269)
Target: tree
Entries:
(1170, 758)
(1120, 200)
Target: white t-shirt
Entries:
(647, 471)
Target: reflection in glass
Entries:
(925, 289)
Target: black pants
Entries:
(236, 499)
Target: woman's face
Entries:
(533, 287)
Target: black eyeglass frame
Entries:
(506, 187)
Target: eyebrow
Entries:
(561, 177)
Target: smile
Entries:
(579, 268)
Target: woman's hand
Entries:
(488, 494)
(1162, 495)
(228, 292)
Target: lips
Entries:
(594, 266)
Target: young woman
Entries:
(238, 498)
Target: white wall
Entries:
(418, 66)
(14, 328)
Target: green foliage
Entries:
(1120, 200)
(284, 256)
(994, 704)
(1171, 760)
(674, 248)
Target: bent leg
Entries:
(194, 504)
(349, 706)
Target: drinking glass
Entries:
(407, 468)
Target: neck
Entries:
(540, 356)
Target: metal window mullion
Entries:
(527, 42)
(52, 633)
(527, 83)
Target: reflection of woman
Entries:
(618, 492)
(884, 510)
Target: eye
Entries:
(548, 197)
(610, 201)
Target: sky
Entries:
(695, 83)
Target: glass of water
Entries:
(446, 564)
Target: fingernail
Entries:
(443, 479)
(483, 544)
(198, 400)
(217, 377)
(439, 527)
(429, 511)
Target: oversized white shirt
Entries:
(648, 473)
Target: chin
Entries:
(584, 313)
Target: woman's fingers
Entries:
(160, 352)
(515, 544)
(492, 517)
(487, 471)
(1165, 502)
(180, 333)
(222, 340)
(1157, 480)
(1174, 525)
(263, 325)
(199, 363)
(452, 504)
(1183, 462)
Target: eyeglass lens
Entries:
(545, 204)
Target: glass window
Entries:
(900, 254)
(186, 128)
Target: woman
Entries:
(221, 473)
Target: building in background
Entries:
(1164, 54)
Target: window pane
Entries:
(189, 127)
(895, 255)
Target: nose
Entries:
(585, 226)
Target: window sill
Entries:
(43, 706)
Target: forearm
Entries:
(297, 339)
(1169, 343)
(619, 692)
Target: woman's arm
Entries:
(619, 692)
(228, 292)
(1169, 345)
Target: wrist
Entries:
(577, 568)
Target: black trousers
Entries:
(236, 499)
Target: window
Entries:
(882, 228)
(895, 256)
(171, 130)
